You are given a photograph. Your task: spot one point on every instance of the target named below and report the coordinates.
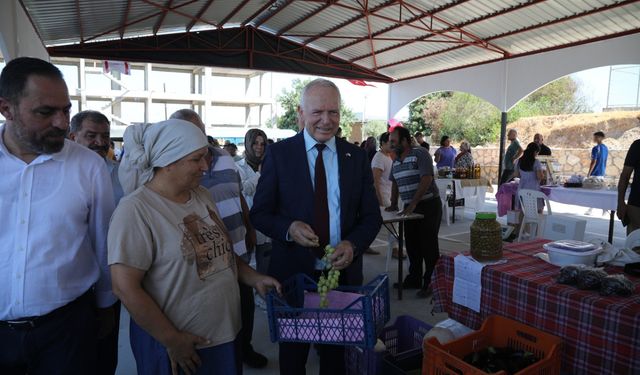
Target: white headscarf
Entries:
(148, 146)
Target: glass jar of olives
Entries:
(486, 237)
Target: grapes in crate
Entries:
(328, 279)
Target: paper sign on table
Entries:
(467, 284)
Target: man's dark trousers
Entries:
(63, 343)
(422, 241)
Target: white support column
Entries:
(82, 83)
(207, 89)
(147, 104)
(260, 93)
(116, 108)
(247, 107)
(192, 87)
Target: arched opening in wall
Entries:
(566, 112)
(458, 115)
(569, 110)
(588, 97)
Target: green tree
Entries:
(347, 118)
(374, 128)
(417, 121)
(465, 116)
(468, 117)
(289, 100)
(424, 113)
(561, 96)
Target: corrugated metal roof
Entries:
(408, 38)
(217, 10)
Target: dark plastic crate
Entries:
(363, 361)
(404, 335)
(358, 324)
(407, 363)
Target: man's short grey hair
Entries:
(318, 82)
(187, 114)
(512, 130)
(75, 125)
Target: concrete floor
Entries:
(453, 238)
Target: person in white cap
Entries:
(171, 258)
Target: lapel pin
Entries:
(348, 155)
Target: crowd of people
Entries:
(170, 230)
(165, 232)
(523, 164)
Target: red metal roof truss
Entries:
(371, 23)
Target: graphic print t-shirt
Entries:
(188, 259)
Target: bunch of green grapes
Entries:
(328, 280)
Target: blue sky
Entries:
(624, 85)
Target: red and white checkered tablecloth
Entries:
(601, 334)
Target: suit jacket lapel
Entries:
(345, 168)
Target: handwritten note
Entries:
(467, 284)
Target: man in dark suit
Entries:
(316, 189)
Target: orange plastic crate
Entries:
(496, 331)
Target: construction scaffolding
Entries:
(229, 100)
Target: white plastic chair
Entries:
(445, 187)
(529, 206)
(633, 240)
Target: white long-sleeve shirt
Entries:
(54, 218)
(250, 179)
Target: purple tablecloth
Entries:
(505, 195)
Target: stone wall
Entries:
(572, 161)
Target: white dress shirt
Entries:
(54, 219)
(330, 159)
(112, 167)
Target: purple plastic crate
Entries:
(403, 336)
(354, 317)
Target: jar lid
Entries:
(486, 215)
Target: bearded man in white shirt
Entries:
(56, 198)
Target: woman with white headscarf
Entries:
(464, 159)
(255, 144)
(172, 262)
